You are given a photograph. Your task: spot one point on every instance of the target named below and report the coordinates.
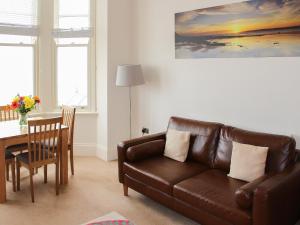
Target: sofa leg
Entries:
(125, 188)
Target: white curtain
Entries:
(19, 17)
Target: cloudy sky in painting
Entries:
(239, 17)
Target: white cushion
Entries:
(177, 145)
(248, 162)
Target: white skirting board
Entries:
(87, 149)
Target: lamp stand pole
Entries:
(130, 111)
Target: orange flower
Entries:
(37, 99)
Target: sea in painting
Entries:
(256, 28)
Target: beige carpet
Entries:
(93, 192)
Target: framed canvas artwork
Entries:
(255, 28)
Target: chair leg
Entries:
(7, 171)
(18, 175)
(72, 160)
(45, 174)
(125, 189)
(13, 175)
(57, 178)
(31, 171)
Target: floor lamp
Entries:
(129, 76)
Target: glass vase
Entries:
(23, 119)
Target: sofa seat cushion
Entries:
(162, 173)
(214, 192)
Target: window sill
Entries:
(59, 113)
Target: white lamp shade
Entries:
(129, 75)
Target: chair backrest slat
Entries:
(53, 140)
(44, 140)
(48, 140)
(34, 146)
(6, 113)
(68, 114)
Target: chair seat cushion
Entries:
(9, 155)
(24, 157)
(161, 172)
(214, 192)
(17, 148)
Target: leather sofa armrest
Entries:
(276, 200)
(123, 146)
(244, 195)
(145, 150)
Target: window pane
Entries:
(72, 75)
(74, 14)
(74, 7)
(17, 71)
(73, 22)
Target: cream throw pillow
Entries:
(248, 162)
(177, 145)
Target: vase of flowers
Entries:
(23, 105)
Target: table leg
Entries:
(64, 158)
(2, 174)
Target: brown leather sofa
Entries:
(200, 188)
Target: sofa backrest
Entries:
(281, 152)
(203, 141)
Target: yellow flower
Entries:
(29, 102)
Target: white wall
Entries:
(101, 76)
(119, 52)
(113, 48)
(260, 94)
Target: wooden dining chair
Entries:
(68, 114)
(7, 114)
(44, 145)
(10, 161)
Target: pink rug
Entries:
(112, 222)
(112, 218)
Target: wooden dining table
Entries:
(11, 133)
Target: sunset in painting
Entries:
(258, 28)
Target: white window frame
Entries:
(91, 73)
(35, 47)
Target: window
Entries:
(17, 79)
(74, 40)
(18, 32)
